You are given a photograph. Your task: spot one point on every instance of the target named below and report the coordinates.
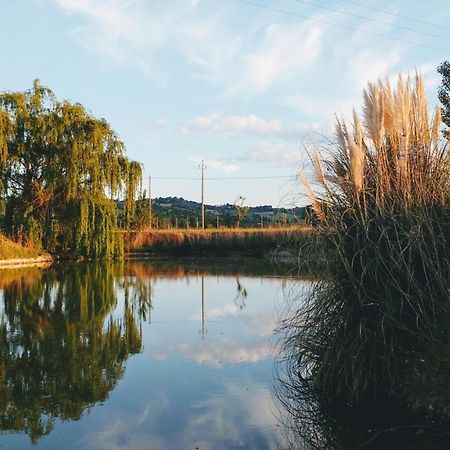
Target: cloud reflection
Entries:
(238, 417)
(228, 352)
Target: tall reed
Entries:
(383, 204)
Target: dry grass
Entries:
(12, 250)
(215, 241)
(394, 157)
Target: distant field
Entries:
(215, 241)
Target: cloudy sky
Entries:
(247, 86)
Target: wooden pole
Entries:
(203, 168)
(150, 199)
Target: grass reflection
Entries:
(337, 389)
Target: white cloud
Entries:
(233, 414)
(285, 50)
(276, 154)
(208, 123)
(160, 122)
(368, 66)
(128, 32)
(227, 165)
(232, 125)
(112, 27)
(431, 76)
(135, 32)
(251, 125)
(355, 65)
(227, 353)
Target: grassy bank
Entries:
(12, 250)
(222, 241)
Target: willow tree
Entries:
(61, 169)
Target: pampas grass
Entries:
(383, 205)
(362, 335)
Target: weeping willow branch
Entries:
(61, 169)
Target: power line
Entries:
(225, 178)
(388, 13)
(369, 19)
(326, 22)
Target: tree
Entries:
(241, 210)
(444, 91)
(60, 169)
(143, 214)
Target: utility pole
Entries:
(203, 307)
(150, 198)
(202, 167)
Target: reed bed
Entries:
(382, 201)
(222, 241)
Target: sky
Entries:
(249, 86)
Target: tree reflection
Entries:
(61, 347)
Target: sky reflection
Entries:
(203, 376)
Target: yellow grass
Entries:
(216, 240)
(12, 250)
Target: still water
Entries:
(140, 355)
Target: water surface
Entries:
(139, 355)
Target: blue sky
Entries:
(246, 88)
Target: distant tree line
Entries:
(176, 212)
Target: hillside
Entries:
(188, 211)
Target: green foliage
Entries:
(143, 213)
(241, 210)
(60, 168)
(444, 91)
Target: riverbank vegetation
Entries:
(67, 189)
(221, 241)
(12, 250)
(382, 202)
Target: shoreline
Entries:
(14, 263)
(47, 261)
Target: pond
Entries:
(139, 355)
